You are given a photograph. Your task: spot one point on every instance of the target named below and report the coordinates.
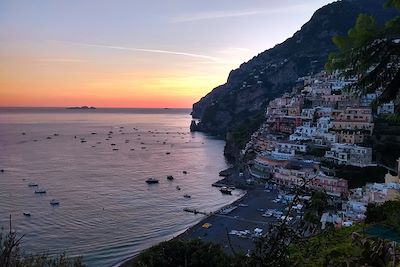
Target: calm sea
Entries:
(107, 212)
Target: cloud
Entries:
(236, 50)
(236, 13)
(216, 15)
(134, 49)
(61, 60)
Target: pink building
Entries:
(355, 119)
(286, 124)
(315, 180)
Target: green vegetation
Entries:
(11, 255)
(387, 150)
(357, 176)
(372, 53)
(333, 247)
(317, 151)
(242, 133)
(318, 203)
(395, 118)
(387, 214)
(344, 247)
(330, 248)
(210, 113)
(193, 253)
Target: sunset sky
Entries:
(131, 53)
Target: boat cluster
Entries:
(152, 180)
(40, 191)
(120, 130)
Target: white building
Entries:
(386, 108)
(323, 112)
(338, 85)
(303, 133)
(308, 113)
(348, 154)
(325, 138)
(288, 147)
(366, 100)
(323, 124)
(320, 88)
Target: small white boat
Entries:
(40, 191)
(54, 202)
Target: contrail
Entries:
(134, 49)
(238, 13)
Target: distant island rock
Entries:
(83, 107)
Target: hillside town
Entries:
(316, 129)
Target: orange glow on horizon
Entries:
(44, 78)
(33, 82)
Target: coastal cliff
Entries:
(235, 109)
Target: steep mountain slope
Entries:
(237, 106)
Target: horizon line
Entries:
(66, 107)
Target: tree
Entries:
(372, 54)
(195, 253)
(387, 214)
(11, 255)
(344, 247)
(393, 3)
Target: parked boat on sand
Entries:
(226, 190)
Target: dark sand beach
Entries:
(246, 216)
(240, 219)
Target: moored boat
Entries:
(186, 196)
(27, 214)
(54, 202)
(40, 191)
(152, 181)
(226, 190)
(32, 184)
(170, 177)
